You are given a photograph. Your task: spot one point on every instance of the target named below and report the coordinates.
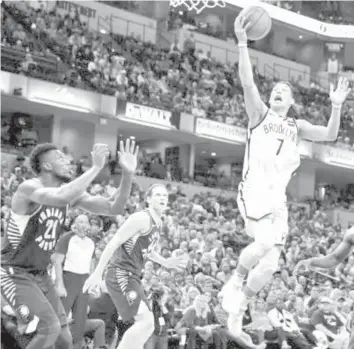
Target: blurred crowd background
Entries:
(206, 227)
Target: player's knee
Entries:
(270, 261)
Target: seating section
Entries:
(182, 79)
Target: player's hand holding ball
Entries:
(339, 95)
(99, 155)
(253, 23)
(240, 30)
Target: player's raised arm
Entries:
(33, 190)
(115, 204)
(131, 227)
(255, 107)
(329, 132)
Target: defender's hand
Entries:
(339, 95)
(99, 155)
(128, 155)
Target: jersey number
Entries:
(281, 141)
(51, 230)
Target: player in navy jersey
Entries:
(135, 242)
(38, 212)
(331, 261)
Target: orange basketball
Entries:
(261, 22)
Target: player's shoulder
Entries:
(140, 218)
(21, 200)
(30, 185)
(25, 189)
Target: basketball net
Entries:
(198, 5)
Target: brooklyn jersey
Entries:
(131, 256)
(272, 156)
(31, 239)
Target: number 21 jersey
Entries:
(272, 156)
(30, 240)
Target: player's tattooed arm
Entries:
(115, 204)
(327, 133)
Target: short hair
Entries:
(36, 156)
(151, 188)
(287, 83)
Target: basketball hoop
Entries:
(198, 5)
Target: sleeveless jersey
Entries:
(31, 239)
(272, 156)
(131, 256)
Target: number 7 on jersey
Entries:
(281, 141)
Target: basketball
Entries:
(260, 20)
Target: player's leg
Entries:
(263, 243)
(351, 341)
(29, 302)
(128, 296)
(269, 232)
(250, 256)
(138, 334)
(64, 340)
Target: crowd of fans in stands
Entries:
(328, 11)
(181, 79)
(210, 230)
(207, 228)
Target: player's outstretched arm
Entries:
(332, 259)
(115, 204)
(327, 133)
(255, 107)
(131, 227)
(33, 190)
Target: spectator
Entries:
(72, 261)
(198, 323)
(285, 323)
(326, 321)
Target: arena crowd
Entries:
(182, 79)
(210, 230)
(206, 228)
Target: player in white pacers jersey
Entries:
(272, 156)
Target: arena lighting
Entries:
(60, 105)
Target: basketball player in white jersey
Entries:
(272, 156)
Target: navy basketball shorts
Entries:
(31, 295)
(127, 293)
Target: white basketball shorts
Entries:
(265, 218)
